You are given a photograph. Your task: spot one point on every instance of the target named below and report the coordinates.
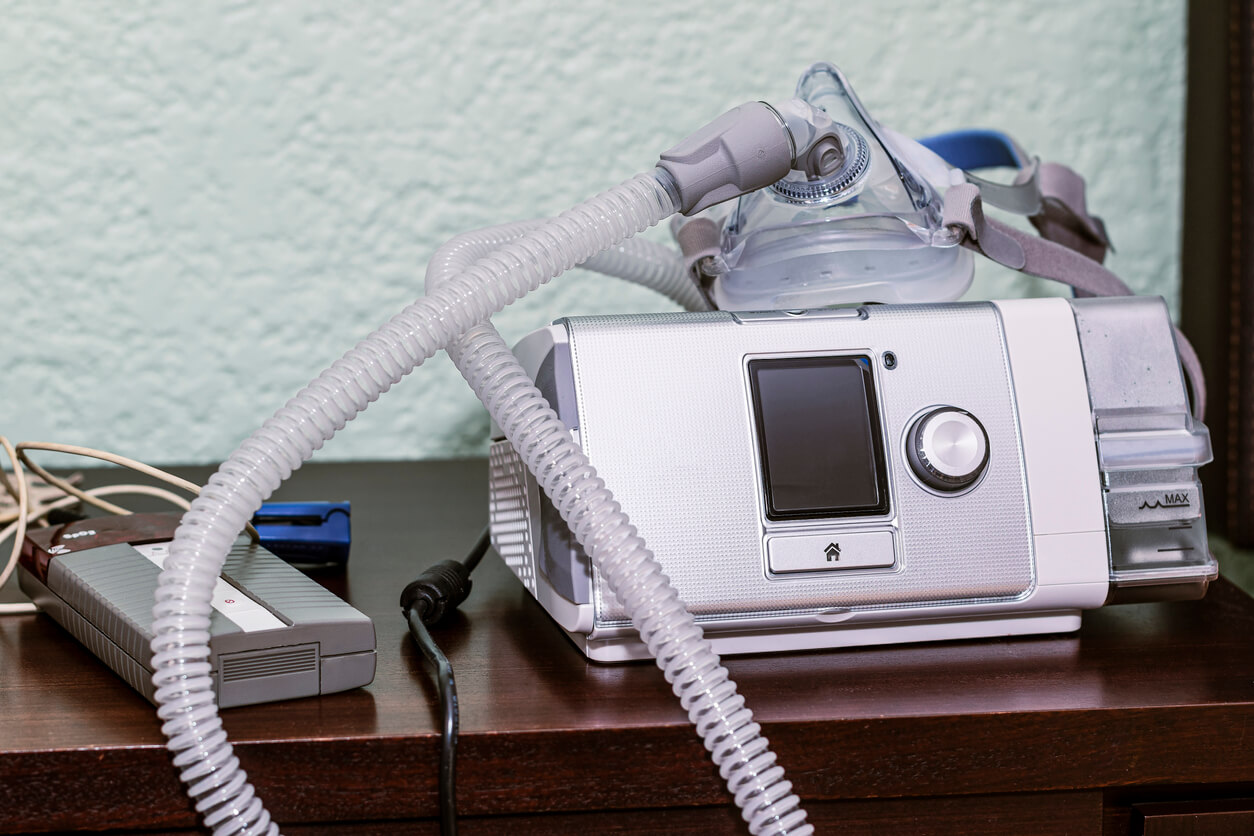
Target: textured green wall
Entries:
(204, 204)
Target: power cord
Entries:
(436, 593)
(30, 508)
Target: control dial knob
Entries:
(947, 449)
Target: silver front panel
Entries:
(665, 416)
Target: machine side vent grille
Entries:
(281, 662)
(509, 509)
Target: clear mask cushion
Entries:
(869, 232)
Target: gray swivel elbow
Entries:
(746, 149)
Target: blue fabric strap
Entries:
(976, 148)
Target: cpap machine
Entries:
(798, 460)
(827, 450)
(847, 476)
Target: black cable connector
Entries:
(436, 593)
(65, 516)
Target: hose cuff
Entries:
(745, 149)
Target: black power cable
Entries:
(424, 602)
(448, 702)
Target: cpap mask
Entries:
(870, 215)
(830, 209)
(871, 229)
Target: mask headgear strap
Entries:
(1064, 217)
(1050, 195)
(1053, 259)
(699, 240)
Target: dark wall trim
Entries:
(1217, 270)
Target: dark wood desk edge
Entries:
(503, 774)
(506, 773)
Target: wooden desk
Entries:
(1046, 735)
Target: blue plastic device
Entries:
(306, 532)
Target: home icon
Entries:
(832, 551)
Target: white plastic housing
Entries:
(661, 405)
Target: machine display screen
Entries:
(819, 437)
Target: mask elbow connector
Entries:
(745, 149)
(749, 148)
(817, 149)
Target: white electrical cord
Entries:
(21, 494)
(104, 456)
(27, 515)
